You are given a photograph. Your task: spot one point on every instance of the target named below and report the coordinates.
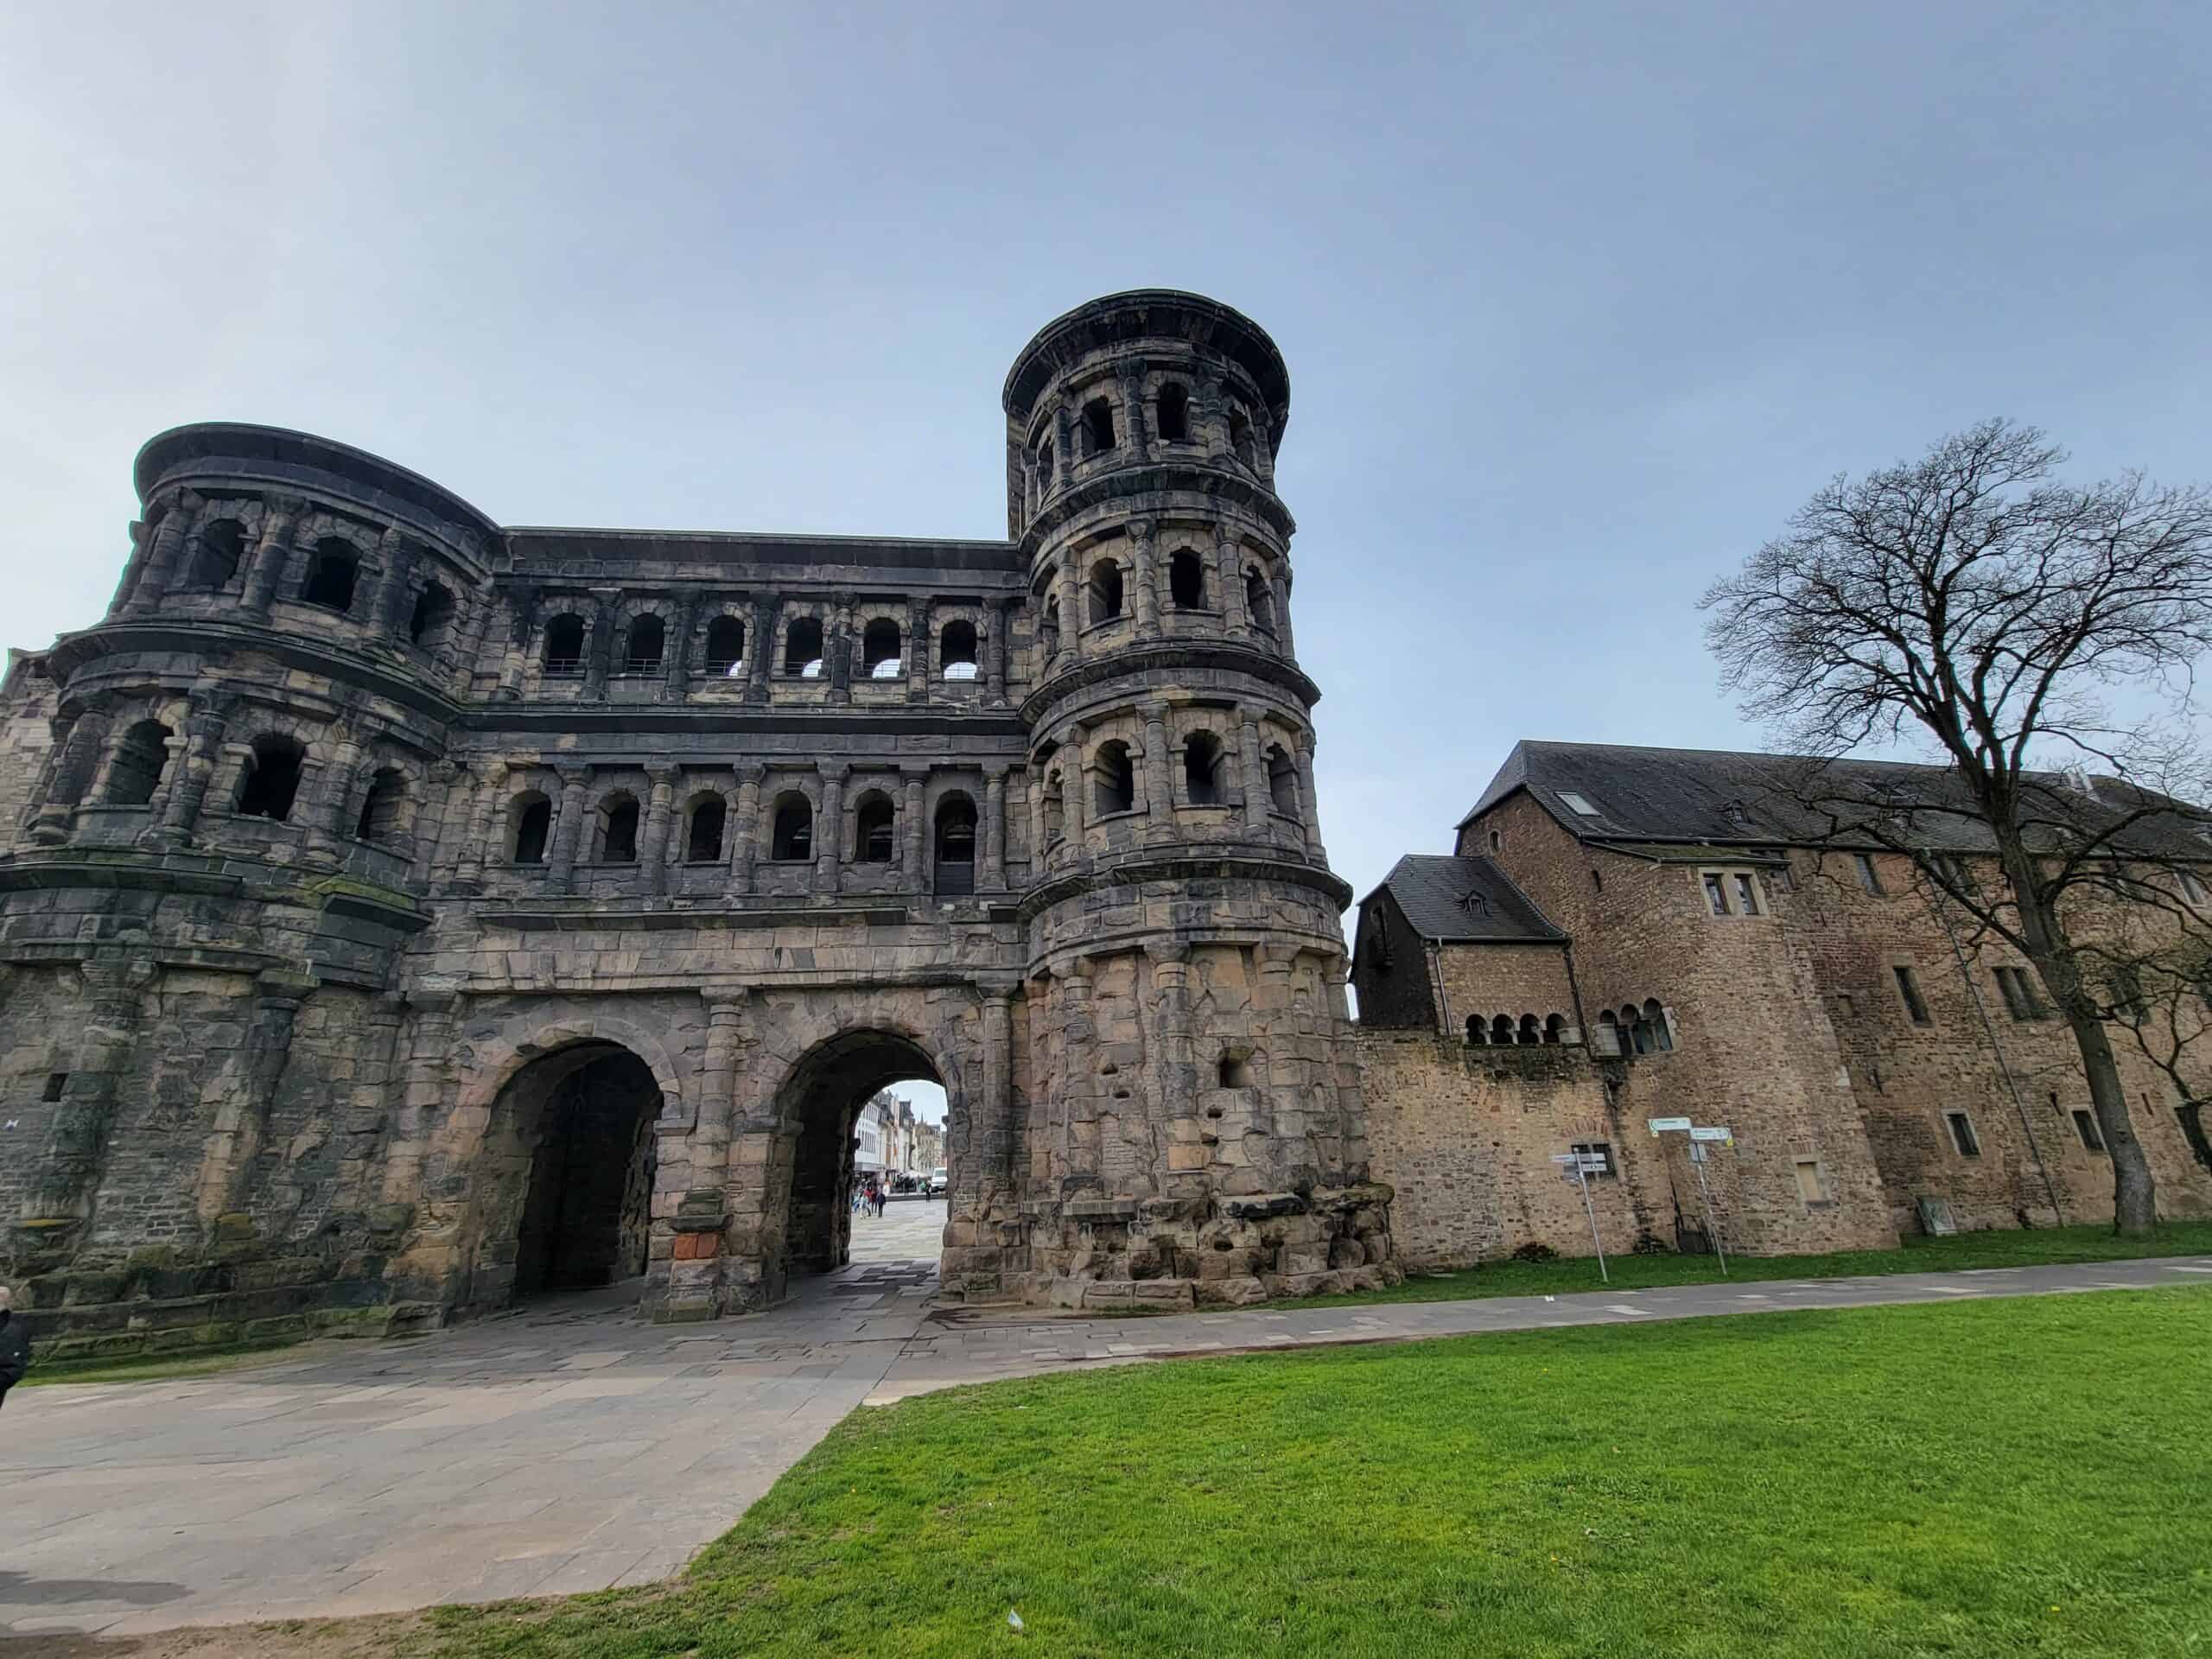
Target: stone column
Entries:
(1140, 429)
(1174, 1102)
(1070, 588)
(652, 855)
(521, 621)
(242, 1120)
(574, 780)
(1212, 418)
(1228, 571)
(428, 1070)
(680, 645)
(388, 612)
(1258, 798)
(974, 1239)
(187, 791)
(1159, 783)
(1144, 555)
(72, 775)
(271, 553)
(368, 1110)
(996, 650)
(1034, 779)
(1078, 1089)
(1072, 779)
(838, 648)
(116, 981)
(483, 827)
(728, 1008)
(993, 828)
(760, 648)
(1281, 583)
(1309, 808)
(746, 829)
(912, 831)
(444, 782)
(599, 651)
(1064, 445)
(335, 815)
(829, 849)
(920, 619)
(180, 519)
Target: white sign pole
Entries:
(1582, 1178)
(1711, 1220)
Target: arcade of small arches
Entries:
(1102, 419)
(1155, 581)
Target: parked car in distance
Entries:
(940, 1182)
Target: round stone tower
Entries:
(1199, 1112)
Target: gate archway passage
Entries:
(820, 1104)
(581, 1120)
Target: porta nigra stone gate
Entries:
(404, 912)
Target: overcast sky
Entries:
(1578, 301)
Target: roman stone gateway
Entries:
(406, 912)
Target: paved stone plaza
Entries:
(574, 1446)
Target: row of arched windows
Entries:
(1504, 1031)
(643, 647)
(1206, 780)
(332, 582)
(1102, 427)
(1105, 594)
(269, 781)
(1644, 1030)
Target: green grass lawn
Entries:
(2008, 1248)
(2003, 1477)
(152, 1368)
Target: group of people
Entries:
(870, 1196)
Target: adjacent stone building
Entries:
(1623, 934)
(403, 911)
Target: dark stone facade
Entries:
(369, 854)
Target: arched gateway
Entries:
(701, 838)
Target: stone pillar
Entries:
(1064, 446)
(745, 830)
(180, 519)
(444, 782)
(188, 790)
(242, 1120)
(1229, 570)
(1071, 590)
(1034, 779)
(1258, 798)
(1140, 429)
(1281, 581)
(829, 849)
(652, 853)
(1078, 1089)
(1174, 1102)
(599, 651)
(428, 1070)
(993, 829)
(838, 648)
(368, 1110)
(680, 645)
(574, 780)
(521, 621)
(760, 648)
(271, 553)
(1144, 555)
(72, 774)
(335, 816)
(1212, 418)
(116, 981)
(912, 831)
(1072, 779)
(388, 610)
(920, 621)
(996, 650)
(483, 827)
(1159, 783)
(1309, 809)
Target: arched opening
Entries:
(1638, 1029)
(1240, 438)
(581, 1146)
(956, 650)
(140, 760)
(432, 617)
(1098, 426)
(1202, 767)
(803, 647)
(1477, 1032)
(1283, 780)
(222, 547)
(792, 840)
(875, 829)
(880, 649)
(726, 646)
(1174, 414)
(531, 819)
(703, 836)
(1044, 466)
(1531, 1033)
(1115, 778)
(1260, 600)
(564, 645)
(1055, 827)
(821, 1105)
(618, 831)
(272, 778)
(1501, 1031)
(647, 646)
(1554, 1030)
(1105, 591)
(953, 872)
(1655, 1018)
(1187, 581)
(381, 807)
(332, 576)
(1051, 629)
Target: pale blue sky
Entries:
(1578, 301)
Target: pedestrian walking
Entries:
(15, 1344)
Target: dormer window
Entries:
(1577, 803)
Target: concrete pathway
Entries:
(570, 1447)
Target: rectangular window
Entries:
(1962, 1134)
(1598, 1150)
(1716, 894)
(1747, 895)
(1812, 1181)
(2085, 1125)
(1869, 877)
(1909, 989)
(2018, 987)
(1579, 802)
(55, 1083)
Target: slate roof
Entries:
(1463, 899)
(1687, 796)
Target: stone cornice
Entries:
(1124, 661)
(1184, 476)
(1184, 864)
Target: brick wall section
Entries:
(1513, 980)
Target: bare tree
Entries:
(1969, 604)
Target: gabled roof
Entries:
(1733, 798)
(1463, 899)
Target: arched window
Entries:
(1637, 1027)
(792, 841)
(332, 575)
(956, 650)
(1501, 1031)
(954, 861)
(647, 644)
(1259, 599)
(1655, 1018)
(1283, 780)
(1187, 581)
(618, 836)
(880, 649)
(1234, 1071)
(140, 760)
(432, 617)
(222, 547)
(382, 806)
(272, 778)
(1531, 1033)
(1056, 825)
(1607, 1022)
(1098, 426)
(803, 647)
(1555, 1030)
(726, 646)
(1477, 1032)
(1051, 628)
(703, 838)
(1240, 438)
(1174, 414)
(1044, 466)
(1202, 767)
(1105, 591)
(1116, 779)
(530, 817)
(564, 645)
(875, 829)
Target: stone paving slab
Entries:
(574, 1448)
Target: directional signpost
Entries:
(1701, 1135)
(1580, 1168)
